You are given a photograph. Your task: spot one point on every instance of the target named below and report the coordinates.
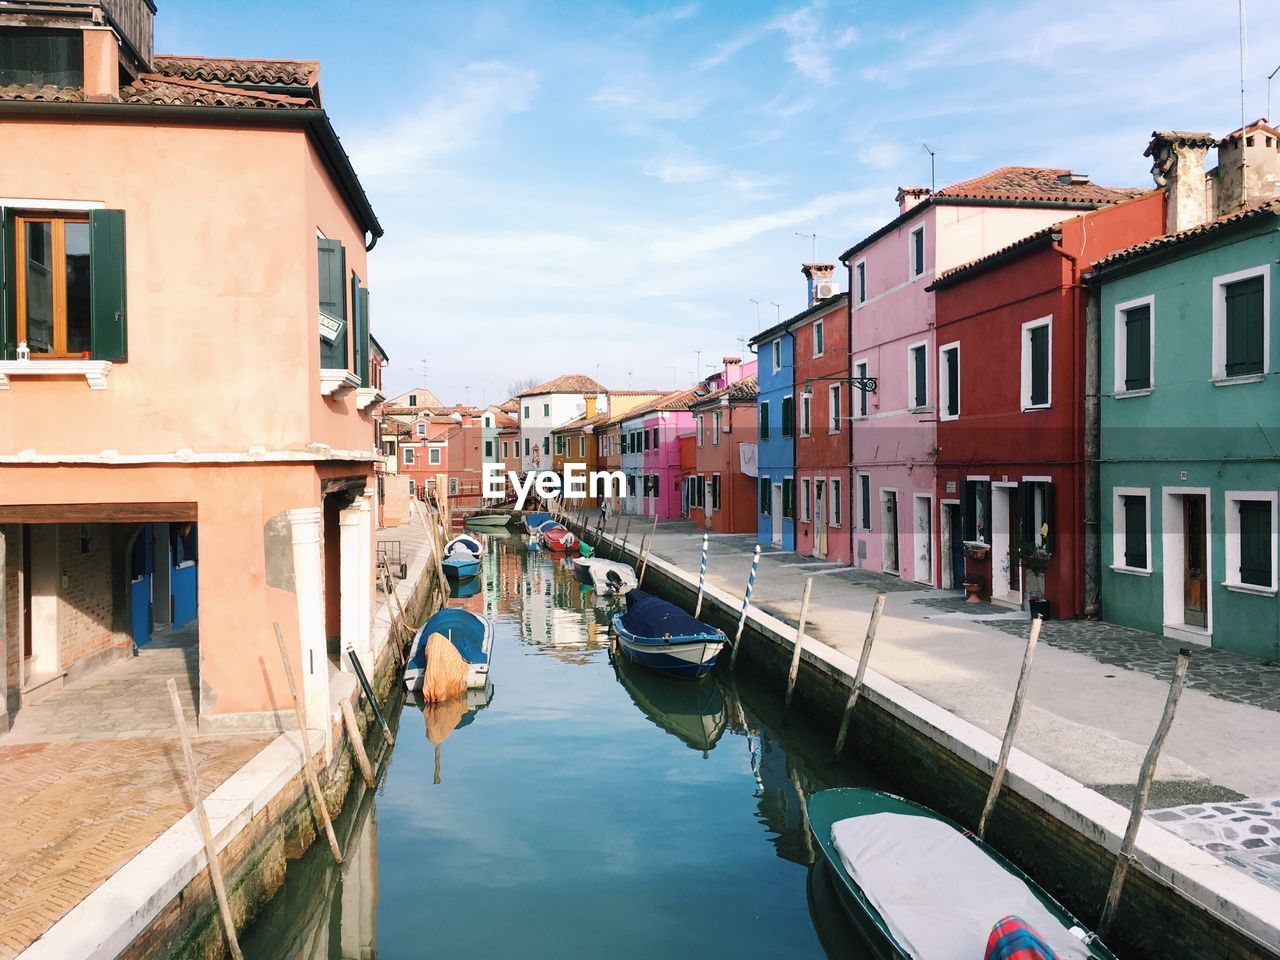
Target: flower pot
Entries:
(972, 589)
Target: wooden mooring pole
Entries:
(702, 577)
(210, 849)
(1015, 713)
(794, 672)
(644, 564)
(357, 743)
(308, 761)
(1125, 857)
(626, 535)
(613, 537)
(867, 641)
(746, 604)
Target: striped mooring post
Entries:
(702, 576)
(746, 602)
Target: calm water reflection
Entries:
(580, 807)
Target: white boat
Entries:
(488, 520)
(464, 543)
(607, 576)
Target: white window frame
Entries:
(835, 516)
(409, 457)
(715, 491)
(433, 456)
(421, 429)
(715, 428)
(413, 487)
(1026, 368)
(454, 486)
(860, 282)
(698, 428)
(776, 354)
(1122, 346)
(861, 370)
(819, 333)
(506, 449)
(954, 348)
(923, 347)
(1117, 530)
(834, 424)
(915, 270)
(805, 426)
(806, 493)
(1232, 525)
(1220, 284)
(864, 524)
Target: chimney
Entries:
(732, 370)
(1070, 178)
(1248, 169)
(816, 274)
(101, 64)
(1177, 164)
(591, 405)
(908, 197)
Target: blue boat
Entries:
(460, 566)
(532, 521)
(470, 634)
(659, 635)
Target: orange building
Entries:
(185, 278)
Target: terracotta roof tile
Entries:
(1037, 184)
(156, 89)
(1255, 211)
(746, 389)
(293, 73)
(569, 383)
(50, 93)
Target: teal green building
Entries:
(1190, 433)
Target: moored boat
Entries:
(464, 543)
(606, 576)
(470, 634)
(460, 566)
(558, 538)
(659, 635)
(532, 521)
(487, 519)
(917, 886)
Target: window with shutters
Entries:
(646, 440)
(526, 446)
(546, 446)
(582, 446)
(917, 376)
(836, 509)
(715, 491)
(788, 416)
(819, 339)
(976, 507)
(1131, 530)
(864, 500)
(67, 299)
(1251, 541)
(806, 487)
(788, 498)
(806, 403)
(949, 376)
(860, 281)
(408, 456)
(1241, 321)
(334, 332)
(1037, 341)
(546, 409)
(716, 428)
(559, 445)
(433, 456)
(764, 419)
(917, 252)
(488, 449)
(777, 355)
(1134, 347)
(860, 373)
(833, 408)
(655, 438)
(1035, 501)
(766, 496)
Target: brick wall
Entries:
(86, 608)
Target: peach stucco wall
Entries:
(222, 290)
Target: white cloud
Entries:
(726, 51)
(680, 165)
(447, 123)
(811, 41)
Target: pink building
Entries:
(891, 339)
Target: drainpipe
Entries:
(850, 514)
(1092, 487)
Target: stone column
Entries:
(306, 526)
(355, 543)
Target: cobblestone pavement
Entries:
(951, 603)
(73, 812)
(1245, 834)
(96, 706)
(1219, 673)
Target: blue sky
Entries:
(601, 188)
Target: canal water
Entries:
(581, 807)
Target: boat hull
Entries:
(456, 569)
(459, 626)
(688, 657)
(489, 520)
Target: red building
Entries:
(822, 444)
(719, 496)
(1013, 347)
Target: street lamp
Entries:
(865, 384)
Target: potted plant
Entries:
(976, 549)
(1034, 557)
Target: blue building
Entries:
(776, 450)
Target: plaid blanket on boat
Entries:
(1013, 939)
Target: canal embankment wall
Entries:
(1179, 901)
(161, 903)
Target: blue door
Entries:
(141, 567)
(182, 578)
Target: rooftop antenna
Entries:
(933, 179)
(697, 360)
(757, 303)
(1244, 182)
(424, 371)
(813, 245)
(1269, 76)
(675, 377)
(778, 307)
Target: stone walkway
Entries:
(1245, 834)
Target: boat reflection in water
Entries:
(693, 711)
(445, 716)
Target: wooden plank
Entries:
(96, 512)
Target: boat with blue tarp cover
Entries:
(659, 635)
(470, 634)
(917, 886)
(532, 521)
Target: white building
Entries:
(550, 405)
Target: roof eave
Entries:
(1140, 260)
(1033, 244)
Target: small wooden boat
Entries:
(460, 566)
(917, 886)
(606, 576)
(464, 543)
(532, 521)
(659, 635)
(470, 634)
(558, 538)
(483, 519)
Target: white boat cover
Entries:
(937, 891)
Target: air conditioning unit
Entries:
(825, 290)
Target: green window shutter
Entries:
(108, 316)
(764, 419)
(788, 416)
(1137, 348)
(953, 382)
(1039, 365)
(333, 301)
(921, 374)
(788, 498)
(764, 494)
(1135, 532)
(1255, 542)
(1244, 333)
(8, 309)
(360, 329)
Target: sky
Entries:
(604, 188)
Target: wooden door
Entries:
(1194, 576)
